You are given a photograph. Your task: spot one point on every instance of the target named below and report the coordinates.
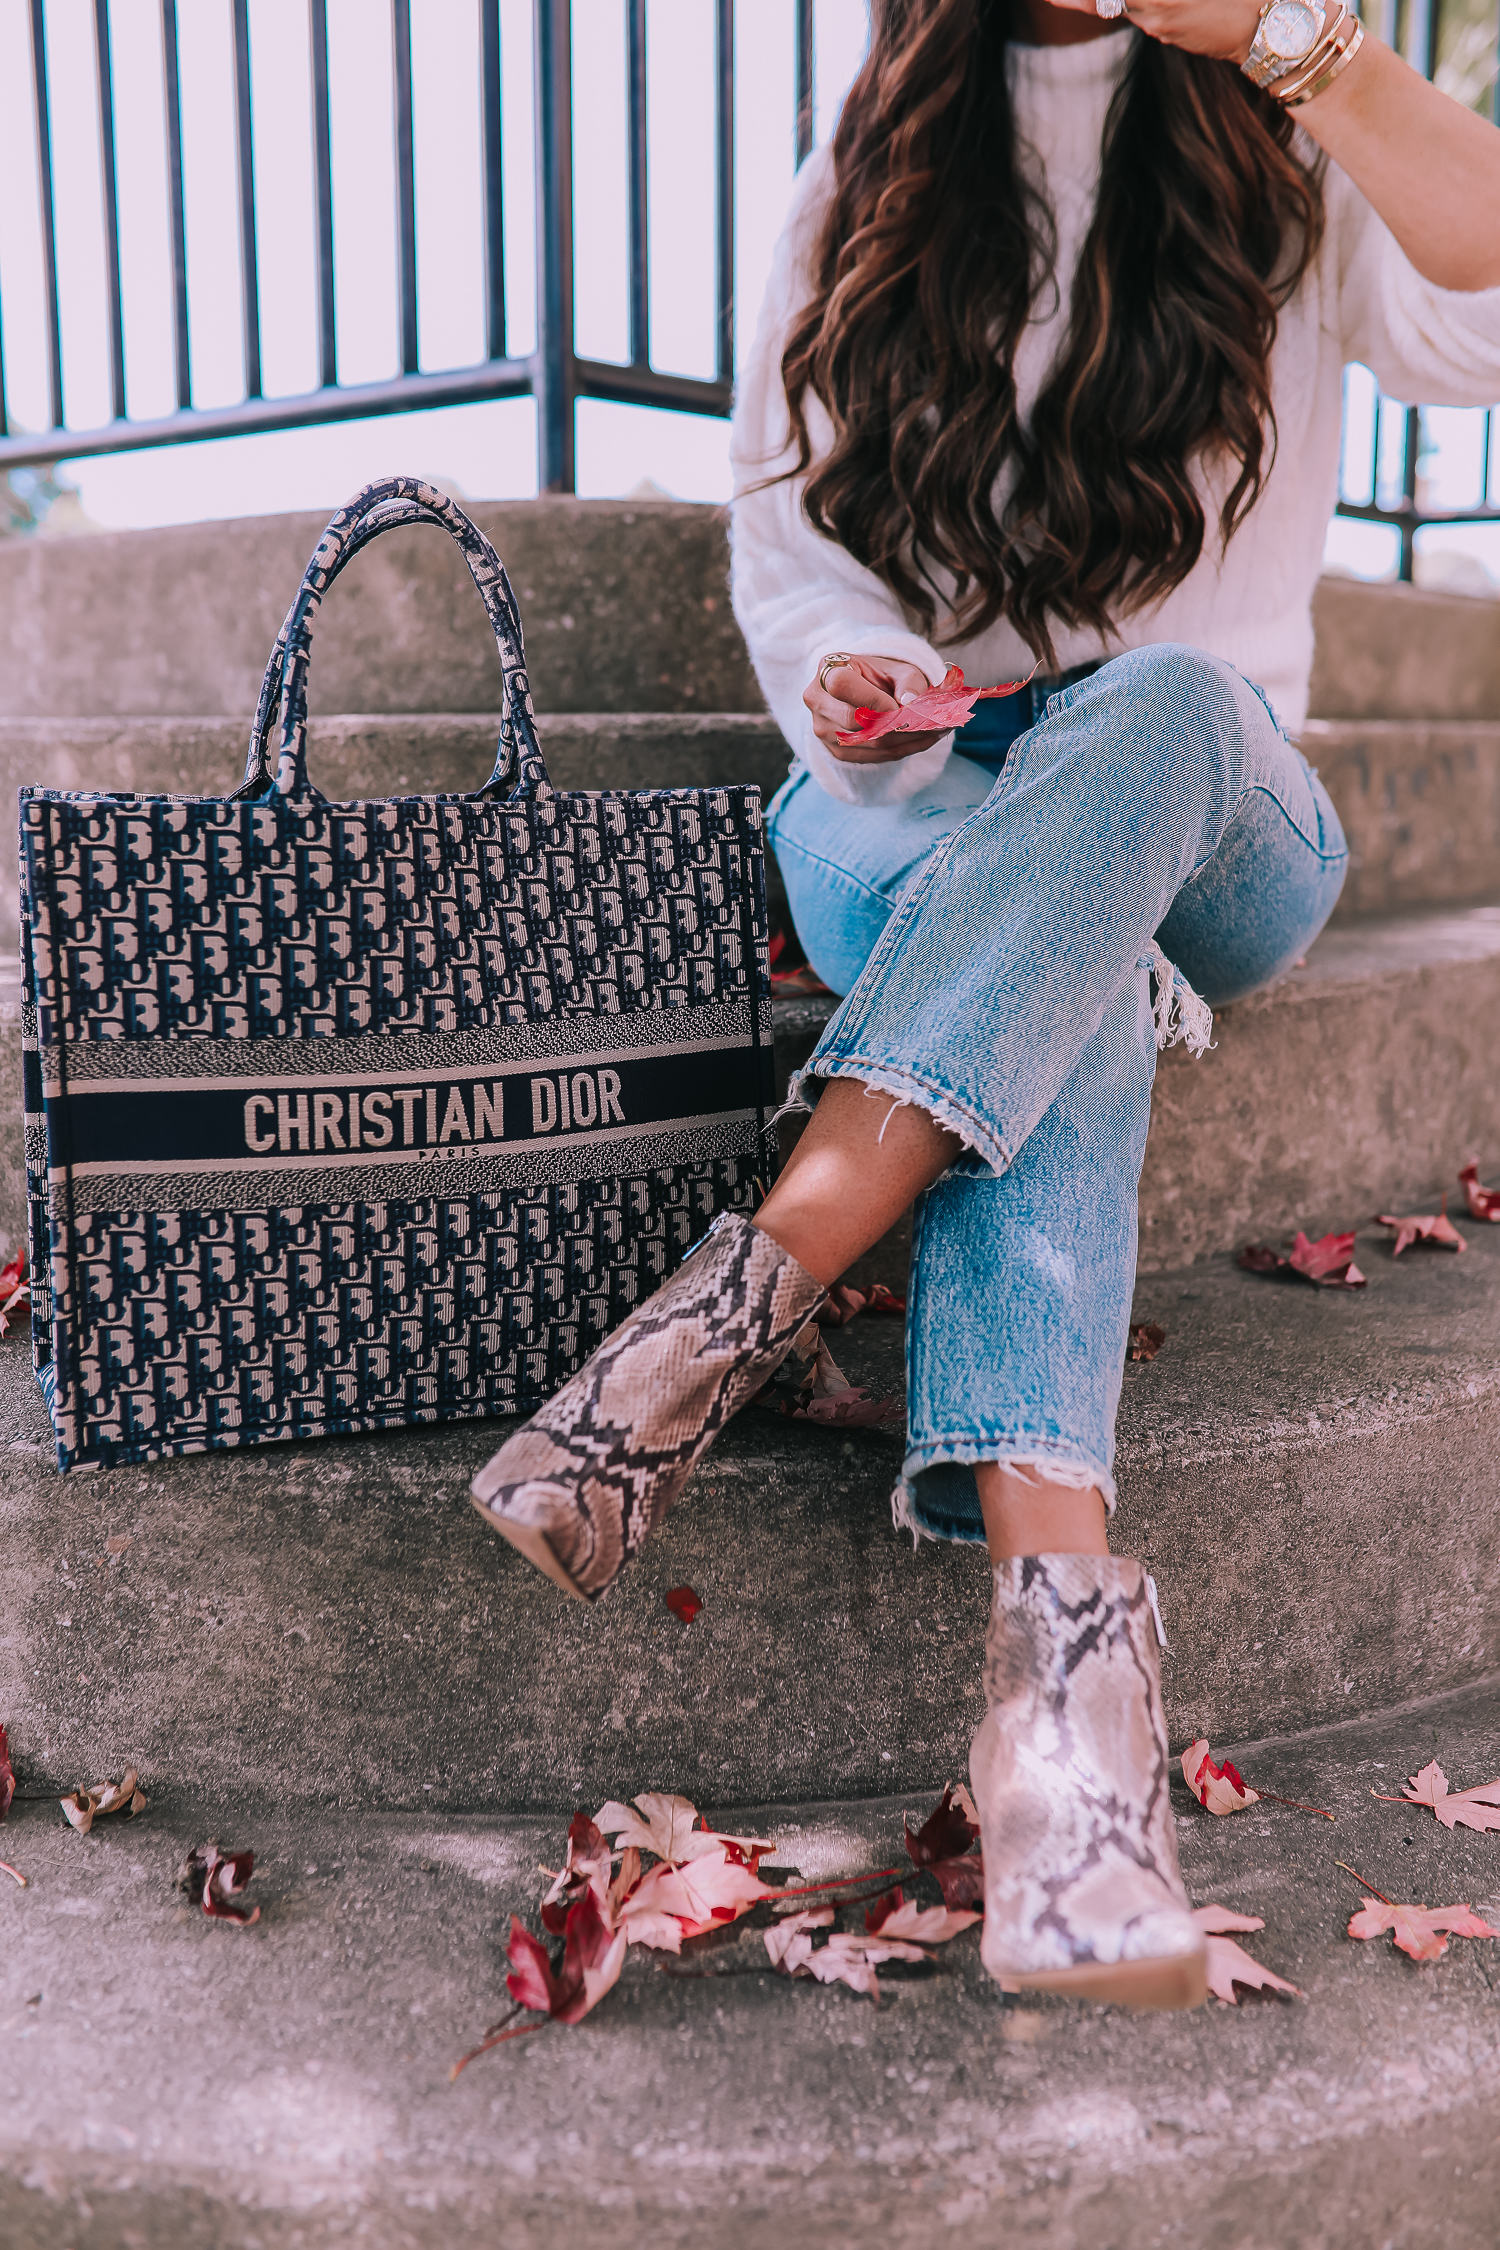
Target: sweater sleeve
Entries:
(1439, 347)
(799, 596)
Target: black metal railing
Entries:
(1415, 28)
(553, 373)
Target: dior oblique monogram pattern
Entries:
(346, 1116)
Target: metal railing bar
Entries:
(245, 154)
(806, 81)
(406, 185)
(555, 360)
(328, 348)
(490, 116)
(397, 394)
(49, 210)
(724, 200)
(109, 184)
(172, 105)
(4, 415)
(1370, 511)
(647, 386)
(637, 193)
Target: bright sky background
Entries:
(482, 451)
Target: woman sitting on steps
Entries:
(1051, 364)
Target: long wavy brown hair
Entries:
(932, 254)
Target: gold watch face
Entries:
(1291, 29)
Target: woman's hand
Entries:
(1223, 28)
(867, 683)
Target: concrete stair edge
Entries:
(1420, 802)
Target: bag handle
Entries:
(519, 770)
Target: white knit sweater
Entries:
(797, 595)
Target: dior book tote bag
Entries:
(346, 1116)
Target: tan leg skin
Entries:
(860, 1162)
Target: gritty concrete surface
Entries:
(1399, 652)
(624, 605)
(171, 2083)
(1420, 806)
(1310, 1476)
(1357, 1084)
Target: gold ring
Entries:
(827, 666)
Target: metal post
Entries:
(494, 177)
(172, 104)
(109, 183)
(724, 151)
(406, 186)
(49, 211)
(245, 152)
(556, 377)
(1409, 494)
(640, 277)
(807, 91)
(317, 25)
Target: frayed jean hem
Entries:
(907, 1090)
(932, 1505)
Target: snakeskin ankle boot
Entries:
(1081, 1889)
(579, 1488)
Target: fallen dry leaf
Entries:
(667, 1827)
(844, 1304)
(951, 704)
(7, 1774)
(803, 983)
(824, 1393)
(82, 1807)
(1439, 1231)
(1219, 1789)
(1484, 1203)
(214, 1880)
(894, 1915)
(587, 1867)
(15, 1292)
(592, 1957)
(1417, 1930)
(683, 1603)
(941, 1846)
(846, 1958)
(694, 1897)
(1327, 1263)
(1228, 1963)
(1147, 1339)
(1466, 1808)
(883, 1300)
(1223, 1789)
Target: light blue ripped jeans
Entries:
(996, 940)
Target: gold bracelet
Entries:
(1345, 57)
(1311, 68)
(1317, 58)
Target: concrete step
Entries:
(171, 2083)
(625, 606)
(1420, 802)
(1310, 1476)
(1360, 1083)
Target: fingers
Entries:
(869, 683)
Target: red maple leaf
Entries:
(15, 1292)
(683, 1603)
(941, 1847)
(1439, 1231)
(883, 1300)
(591, 1959)
(1228, 1963)
(587, 1867)
(1146, 1340)
(214, 1879)
(1484, 1203)
(949, 705)
(894, 1915)
(1478, 1807)
(1219, 1789)
(1328, 1263)
(7, 1774)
